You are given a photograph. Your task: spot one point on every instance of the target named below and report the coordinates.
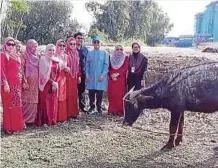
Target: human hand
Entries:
(6, 88)
(79, 80)
(54, 86)
(101, 79)
(25, 86)
(67, 69)
(87, 78)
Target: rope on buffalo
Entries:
(165, 133)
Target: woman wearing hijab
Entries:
(18, 47)
(137, 68)
(31, 86)
(48, 86)
(11, 79)
(64, 69)
(117, 81)
(73, 78)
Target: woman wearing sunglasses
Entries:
(73, 78)
(64, 69)
(48, 86)
(11, 77)
(117, 81)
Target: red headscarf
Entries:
(73, 56)
(13, 54)
(62, 56)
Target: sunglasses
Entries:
(72, 44)
(79, 38)
(119, 49)
(11, 44)
(61, 45)
(96, 42)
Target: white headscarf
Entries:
(117, 60)
(45, 64)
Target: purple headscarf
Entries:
(32, 59)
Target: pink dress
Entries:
(30, 97)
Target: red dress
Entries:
(72, 94)
(62, 104)
(12, 103)
(48, 101)
(117, 89)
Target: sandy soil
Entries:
(93, 142)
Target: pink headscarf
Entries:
(73, 56)
(62, 56)
(32, 61)
(13, 54)
(45, 64)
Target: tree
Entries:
(47, 21)
(14, 17)
(124, 20)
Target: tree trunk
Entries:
(18, 30)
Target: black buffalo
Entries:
(193, 89)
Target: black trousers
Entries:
(81, 90)
(134, 80)
(99, 96)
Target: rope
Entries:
(165, 133)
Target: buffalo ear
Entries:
(142, 98)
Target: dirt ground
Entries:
(93, 142)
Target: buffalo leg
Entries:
(174, 122)
(180, 130)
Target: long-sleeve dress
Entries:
(117, 89)
(48, 100)
(62, 95)
(12, 103)
(72, 92)
(30, 96)
(138, 62)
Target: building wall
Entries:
(207, 24)
(215, 28)
(199, 19)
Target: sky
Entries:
(181, 13)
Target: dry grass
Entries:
(91, 142)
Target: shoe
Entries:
(91, 111)
(100, 114)
(83, 110)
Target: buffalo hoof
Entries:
(168, 147)
(178, 141)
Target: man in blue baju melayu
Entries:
(97, 63)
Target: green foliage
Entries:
(46, 22)
(19, 6)
(129, 20)
(14, 17)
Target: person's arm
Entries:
(86, 51)
(3, 70)
(87, 65)
(106, 64)
(144, 67)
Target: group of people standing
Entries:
(49, 89)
